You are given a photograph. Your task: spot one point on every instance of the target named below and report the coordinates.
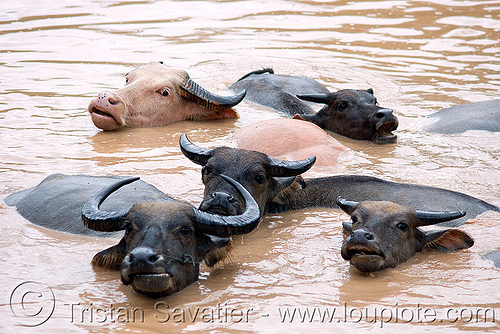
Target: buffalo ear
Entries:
(110, 258)
(447, 240)
(214, 249)
(370, 90)
(347, 228)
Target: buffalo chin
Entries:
(153, 285)
(368, 263)
(365, 259)
(104, 120)
(385, 138)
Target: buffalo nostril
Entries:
(112, 100)
(384, 113)
(369, 236)
(213, 195)
(153, 258)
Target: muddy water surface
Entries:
(418, 56)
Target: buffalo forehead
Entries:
(355, 96)
(381, 211)
(162, 212)
(235, 161)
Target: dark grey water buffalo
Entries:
(156, 95)
(351, 113)
(263, 176)
(274, 185)
(384, 234)
(472, 116)
(165, 241)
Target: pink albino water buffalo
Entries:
(156, 95)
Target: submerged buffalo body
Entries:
(494, 256)
(291, 139)
(156, 95)
(57, 202)
(384, 234)
(276, 186)
(164, 241)
(279, 91)
(472, 116)
(351, 113)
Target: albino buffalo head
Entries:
(165, 241)
(156, 95)
(354, 114)
(384, 234)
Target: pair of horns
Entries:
(193, 92)
(424, 217)
(222, 226)
(277, 167)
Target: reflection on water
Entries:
(418, 57)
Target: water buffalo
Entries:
(348, 112)
(156, 95)
(165, 241)
(276, 186)
(263, 176)
(472, 116)
(291, 139)
(384, 235)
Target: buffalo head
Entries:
(264, 177)
(384, 234)
(354, 114)
(156, 95)
(164, 242)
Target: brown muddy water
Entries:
(418, 56)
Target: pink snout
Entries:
(105, 110)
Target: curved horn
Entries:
(193, 92)
(317, 98)
(283, 168)
(225, 226)
(434, 217)
(345, 205)
(196, 154)
(105, 221)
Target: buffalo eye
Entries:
(354, 219)
(186, 231)
(130, 227)
(259, 179)
(163, 92)
(206, 170)
(342, 105)
(403, 227)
